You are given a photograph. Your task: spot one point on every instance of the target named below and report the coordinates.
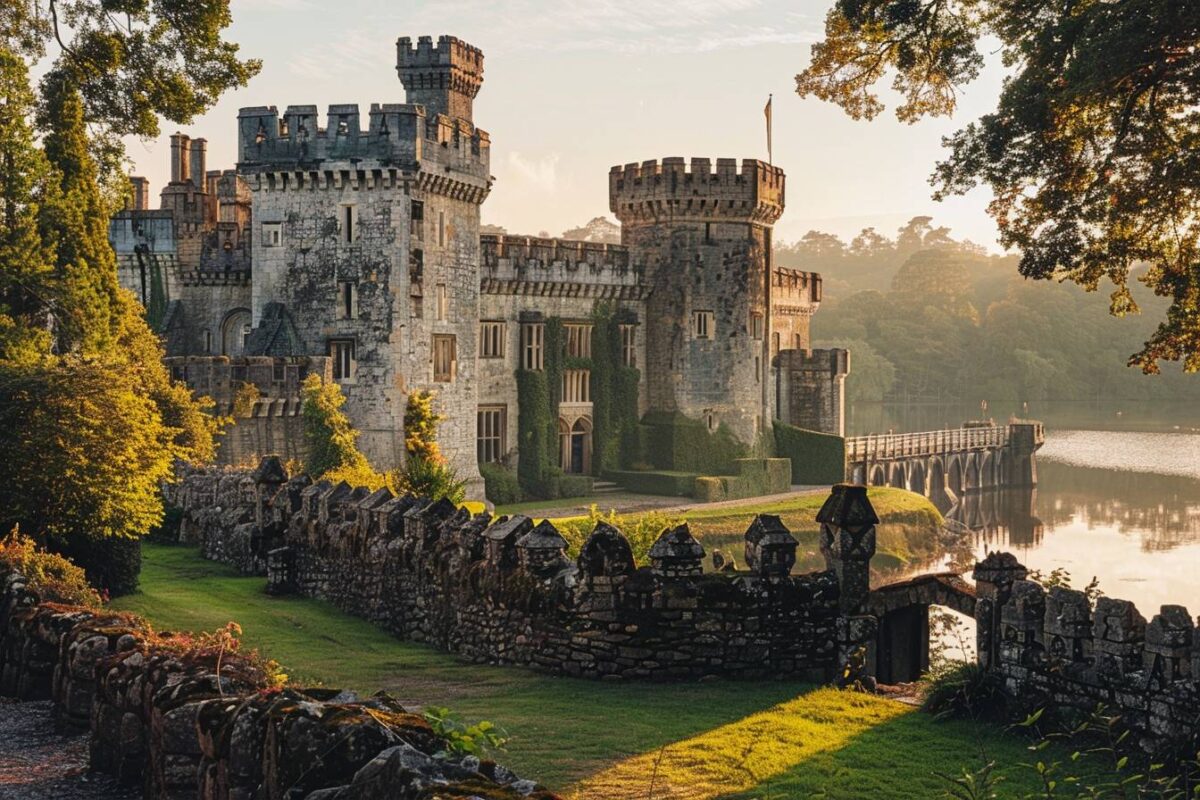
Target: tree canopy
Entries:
(1092, 153)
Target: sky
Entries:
(572, 87)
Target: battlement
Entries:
(397, 135)
(444, 78)
(276, 381)
(675, 189)
(797, 286)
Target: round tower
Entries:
(704, 239)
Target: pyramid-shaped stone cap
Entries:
(337, 494)
(768, 530)
(507, 527)
(848, 507)
(269, 470)
(677, 544)
(317, 489)
(544, 537)
(606, 552)
(375, 499)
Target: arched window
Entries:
(575, 445)
(234, 331)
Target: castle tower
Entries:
(704, 237)
(444, 78)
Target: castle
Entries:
(352, 248)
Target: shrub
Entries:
(51, 576)
(167, 531)
(964, 689)
(427, 478)
(574, 485)
(642, 530)
(500, 484)
(664, 482)
(817, 458)
(331, 439)
(111, 563)
(420, 427)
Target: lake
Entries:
(1118, 496)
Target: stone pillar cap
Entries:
(848, 507)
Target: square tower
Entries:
(443, 78)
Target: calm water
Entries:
(1118, 497)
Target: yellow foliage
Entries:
(420, 427)
(52, 577)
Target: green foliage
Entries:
(817, 458)
(964, 689)
(462, 739)
(111, 563)
(665, 482)
(244, 399)
(641, 530)
(614, 392)
(755, 477)
(427, 478)
(330, 438)
(534, 436)
(420, 427)
(500, 484)
(1088, 152)
(678, 443)
(53, 577)
(974, 784)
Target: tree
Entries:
(1091, 153)
(598, 229)
(331, 440)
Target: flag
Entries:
(767, 113)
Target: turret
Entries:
(444, 78)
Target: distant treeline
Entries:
(930, 318)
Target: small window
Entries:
(775, 343)
(344, 364)
(491, 340)
(708, 233)
(416, 266)
(416, 225)
(629, 345)
(441, 229)
(756, 326)
(418, 210)
(272, 234)
(579, 340)
(347, 300)
(208, 342)
(489, 434)
(702, 324)
(797, 341)
(445, 358)
(277, 371)
(532, 334)
(349, 234)
(576, 386)
(757, 369)
(815, 287)
(443, 303)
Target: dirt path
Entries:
(38, 764)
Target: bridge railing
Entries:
(878, 447)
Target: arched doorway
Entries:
(234, 331)
(575, 445)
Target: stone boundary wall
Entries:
(503, 590)
(1057, 647)
(161, 716)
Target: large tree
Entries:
(1093, 151)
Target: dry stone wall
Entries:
(503, 590)
(165, 714)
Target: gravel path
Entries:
(38, 764)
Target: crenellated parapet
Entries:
(274, 381)
(675, 190)
(535, 265)
(444, 77)
(507, 590)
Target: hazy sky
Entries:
(572, 87)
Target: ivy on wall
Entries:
(533, 410)
(614, 390)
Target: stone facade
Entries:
(357, 237)
(503, 591)
(184, 721)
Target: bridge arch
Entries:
(916, 477)
(971, 475)
(939, 490)
(954, 475)
(858, 474)
(1002, 469)
(987, 470)
(878, 475)
(898, 480)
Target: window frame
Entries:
(628, 345)
(494, 419)
(533, 346)
(492, 336)
(272, 234)
(450, 371)
(704, 324)
(577, 339)
(345, 367)
(347, 301)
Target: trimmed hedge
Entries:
(112, 563)
(672, 441)
(756, 477)
(817, 458)
(500, 484)
(664, 482)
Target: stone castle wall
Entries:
(503, 591)
(182, 721)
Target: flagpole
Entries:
(767, 112)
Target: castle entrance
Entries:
(575, 445)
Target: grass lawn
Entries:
(907, 529)
(589, 739)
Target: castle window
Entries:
(797, 341)
(277, 371)
(441, 229)
(708, 237)
(344, 364)
(489, 434)
(445, 358)
(816, 288)
(629, 345)
(757, 369)
(491, 340)
(775, 343)
(417, 225)
(272, 234)
(208, 342)
(443, 303)
(576, 386)
(703, 324)
(579, 340)
(416, 266)
(349, 234)
(756, 326)
(532, 335)
(347, 300)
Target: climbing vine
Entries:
(614, 389)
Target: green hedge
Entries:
(533, 434)
(756, 477)
(112, 563)
(817, 458)
(664, 482)
(674, 442)
(500, 484)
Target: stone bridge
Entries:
(947, 464)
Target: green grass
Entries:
(778, 738)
